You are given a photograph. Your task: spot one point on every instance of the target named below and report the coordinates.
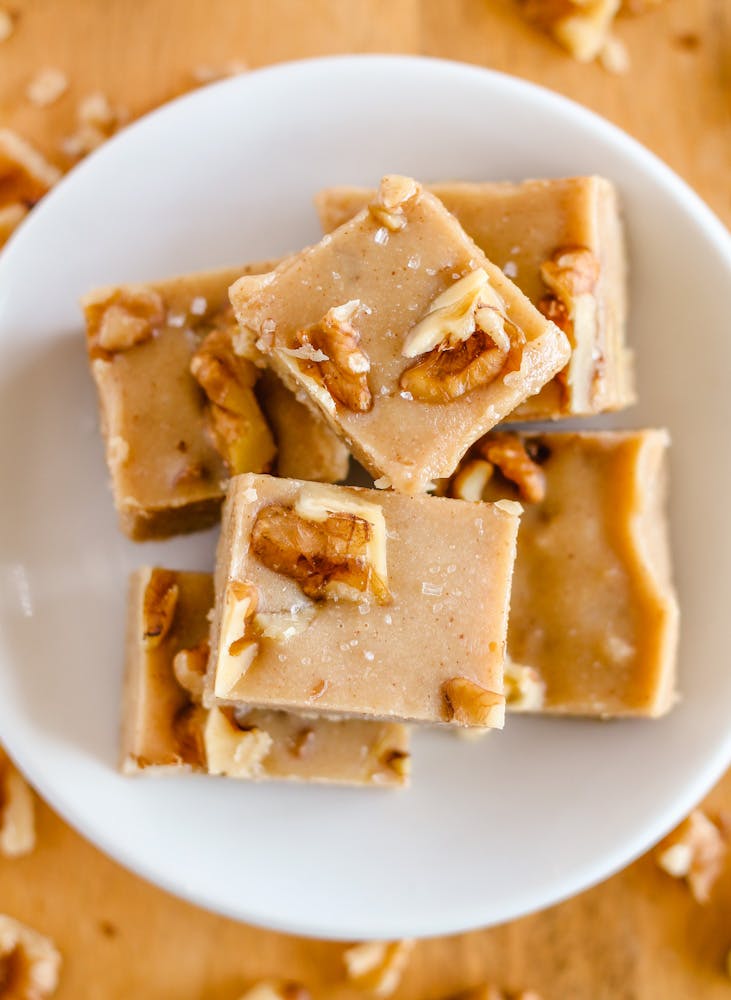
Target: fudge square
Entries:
(361, 602)
(403, 334)
(181, 413)
(165, 729)
(561, 241)
(593, 618)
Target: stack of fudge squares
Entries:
(487, 569)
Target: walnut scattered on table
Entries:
(29, 962)
(695, 851)
(376, 967)
(17, 812)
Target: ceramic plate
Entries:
(488, 831)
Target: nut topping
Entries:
(571, 271)
(525, 690)
(29, 962)
(329, 353)
(508, 453)
(124, 317)
(17, 819)
(188, 727)
(158, 606)
(695, 851)
(376, 967)
(394, 196)
(231, 749)
(189, 667)
(332, 546)
(469, 704)
(470, 480)
(466, 339)
(238, 648)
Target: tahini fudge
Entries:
(361, 602)
(561, 242)
(593, 617)
(165, 727)
(180, 411)
(402, 334)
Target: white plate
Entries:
(488, 831)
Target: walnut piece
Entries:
(7, 24)
(329, 354)
(158, 606)
(29, 962)
(233, 749)
(120, 318)
(25, 176)
(46, 87)
(695, 851)
(376, 967)
(525, 690)
(469, 704)
(17, 812)
(189, 667)
(470, 480)
(97, 120)
(332, 545)
(241, 433)
(277, 989)
(188, 728)
(238, 646)
(10, 218)
(571, 271)
(508, 452)
(396, 194)
(398, 761)
(579, 26)
(466, 339)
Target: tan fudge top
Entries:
(162, 449)
(165, 728)
(526, 228)
(593, 610)
(386, 280)
(411, 628)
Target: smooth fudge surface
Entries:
(372, 603)
(405, 391)
(561, 241)
(168, 468)
(165, 728)
(594, 618)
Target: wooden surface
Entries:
(639, 935)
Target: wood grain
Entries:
(639, 936)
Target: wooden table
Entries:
(637, 936)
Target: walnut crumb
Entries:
(376, 967)
(7, 24)
(29, 962)
(47, 87)
(695, 851)
(17, 811)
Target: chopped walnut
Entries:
(241, 433)
(17, 812)
(525, 690)
(29, 962)
(334, 548)
(571, 271)
(398, 761)
(508, 452)
(395, 196)
(614, 56)
(120, 318)
(579, 26)
(376, 967)
(25, 176)
(158, 606)
(277, 989)
(238, 647)
(466, 339)
(329, 353)
(469, 704)
(470, 480)
(695, 851)
(189, 667)
(188, 728)
(46, 87)
(7, 24)
(97, 121)
(233, 749)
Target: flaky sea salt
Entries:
(431, 589)
(381, 236)
(511, 269)
(198, 306)
(414, 262)
(368, 655)
(250, 494)
(176, 319)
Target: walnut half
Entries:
(238, 645)
(29, 962)
(509, 453)
(333, 545)
(158, 606)
(470, 704)
(395, 196)
(465, 341)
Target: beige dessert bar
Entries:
(179, 410)
(402, 334)
(593, 618)
(361, 602)
(561, 242)
(166, 729)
